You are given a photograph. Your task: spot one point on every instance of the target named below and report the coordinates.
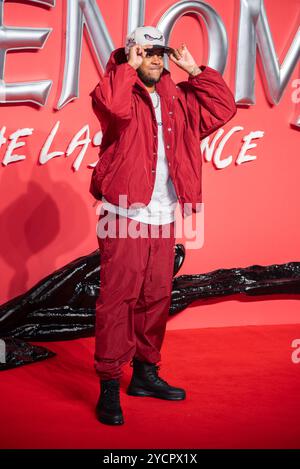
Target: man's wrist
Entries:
(132, 65)
(194, 71)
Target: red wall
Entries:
(251, 210)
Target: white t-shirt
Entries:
(161, 208)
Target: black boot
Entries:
(108, 408)
(146, 382)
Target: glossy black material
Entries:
(20, 353)
(62, 305)
(252, 281)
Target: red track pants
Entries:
(135, 292)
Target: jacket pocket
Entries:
(107, 158)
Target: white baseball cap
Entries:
(146, 35)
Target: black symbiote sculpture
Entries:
(62, 305)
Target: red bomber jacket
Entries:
(191, 110)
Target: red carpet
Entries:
(242, 392)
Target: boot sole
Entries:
(108, 421)
(117, 419)
(143, 393)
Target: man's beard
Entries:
(146, 79)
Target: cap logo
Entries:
(150, 38)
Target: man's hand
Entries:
(136, 55)
(184, 59)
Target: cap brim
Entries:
(169, 50)
(166, 49)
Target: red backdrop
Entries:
(251, 209)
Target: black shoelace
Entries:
(152, 373)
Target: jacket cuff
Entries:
(131, 70)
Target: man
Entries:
(150, 160)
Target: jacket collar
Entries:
(165, 87)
